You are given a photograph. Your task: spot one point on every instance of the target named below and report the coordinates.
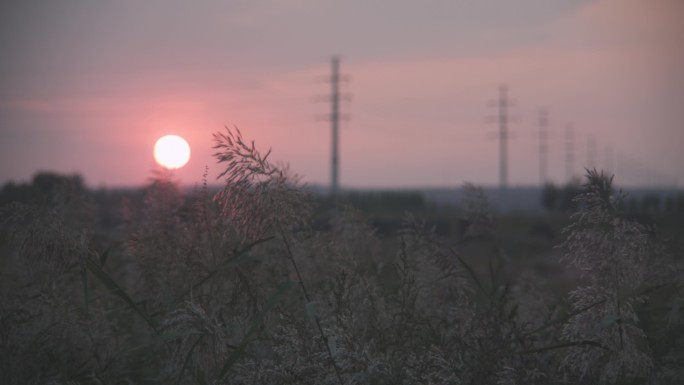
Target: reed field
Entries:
(262, 282)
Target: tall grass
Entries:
(236, 287)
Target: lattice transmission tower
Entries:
(335, 117)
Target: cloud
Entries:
(635, 22)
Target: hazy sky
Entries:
(89, 86)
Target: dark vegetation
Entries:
(260, 282)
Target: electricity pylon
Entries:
(569, 153)
(543, 146)
(335, 117)
(503, 104)
(591, 152)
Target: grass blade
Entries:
(104, 255)
(564, 345)
(563, 319)
(270, 304)
(187, 358)
(256, 323)
(470, 271)
(239, 258)
(84, 281)
(109, 282)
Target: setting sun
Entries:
(171, 151)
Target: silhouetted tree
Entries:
(42, 188)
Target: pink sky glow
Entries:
(89, 88)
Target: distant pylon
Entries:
(543, 146)
(591, 152)
(335, 116)
(608, 163)
(569, 153)
(335, 119)
(503, 104)
(503, 136)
